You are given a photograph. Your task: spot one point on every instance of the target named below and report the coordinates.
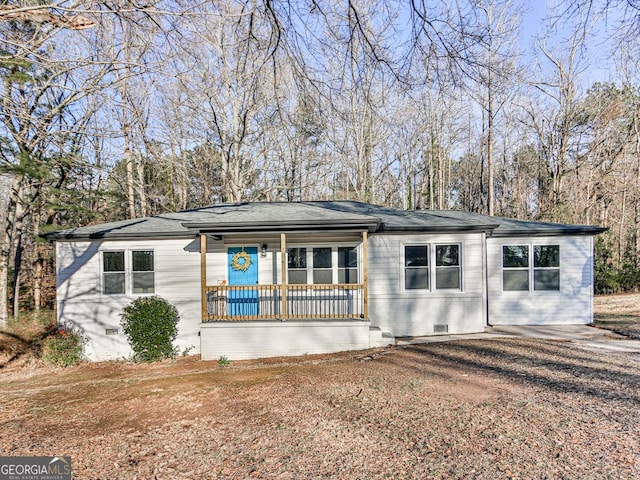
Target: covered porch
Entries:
(238, 295)
(287, 282)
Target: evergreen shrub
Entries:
(151, 326)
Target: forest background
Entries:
(122, 109)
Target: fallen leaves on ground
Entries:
(508, 408)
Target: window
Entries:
(447, 267)
(520, 272)
(515, 267)
(131, 272)
(347, 265)
(546, 267)
(113, 281)
(297, 265)
(322, 271)
(322, 265)
(142, 276)
(416, 267)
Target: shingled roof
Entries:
(312, 216)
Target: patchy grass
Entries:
(484, 409)
(508, 408)
(618, 313)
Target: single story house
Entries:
(268, 279)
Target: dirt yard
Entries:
(508, 408)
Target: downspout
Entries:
(485, 283)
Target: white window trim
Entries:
(128, 272)
(534, 268)
(515, 269)
(334, 261)
(531, 268)
(431, 265)
(403, 267)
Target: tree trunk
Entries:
(37, 279)
(17, 253)
(490, 192)
(431, 173)
(5, 250)
(441, 177)
(142, 196)
(636, 207)
(17, 259)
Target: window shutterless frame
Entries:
(546, 267)
(416, 271)
(515, 268)
(530, 267)
(127, 272)
(142, 272)
(297, 265)
(448, 266)
(113, 273)
(432, 267)
(322, 264)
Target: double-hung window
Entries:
(142, 274)
(126, 272)
(446, 273)
(448, 267)
(416, 267)
(322, 265)
(322, 268)
(113, 273)
(522, 271)
(546, 267)
(347, 265)
(515, 267)
(297, 265)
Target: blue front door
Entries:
(243, 270)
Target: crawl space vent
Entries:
(440, 328)
(111, 331)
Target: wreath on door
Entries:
(241, 261)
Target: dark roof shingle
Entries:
(328, 215)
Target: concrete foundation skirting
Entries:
(243, 340)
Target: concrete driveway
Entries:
(582, 336)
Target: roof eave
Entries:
(439, 229)
(552, 232)
(59, 236)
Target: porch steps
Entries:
(378, 338)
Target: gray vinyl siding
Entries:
(415, 312)
(572, 304)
